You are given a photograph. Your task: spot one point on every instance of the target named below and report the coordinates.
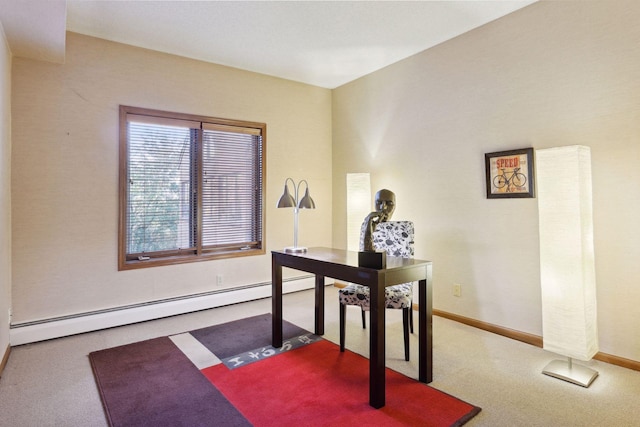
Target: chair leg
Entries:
(343, 313)
(406, 312)
(364, 324)
(411, 317)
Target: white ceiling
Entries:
(322, 43)
(35, 28)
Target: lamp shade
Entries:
(306, 202)
(286, 200)
(567, 265)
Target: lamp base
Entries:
(567, 371)
(295, 250)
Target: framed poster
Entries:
(509, 174)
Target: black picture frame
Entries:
(510, 174)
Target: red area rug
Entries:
(316, 385)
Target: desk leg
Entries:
(425, 315)
(319, 318)
(377, 346)
(276, 303)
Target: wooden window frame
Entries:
(196, 254)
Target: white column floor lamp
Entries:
(567, 265)
(358, 206)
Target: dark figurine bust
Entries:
(385, 204)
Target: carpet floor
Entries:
(229, 375)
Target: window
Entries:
(191, 188)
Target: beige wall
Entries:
(65, 171)
(5, 191)
(551, 74)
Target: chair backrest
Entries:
(395, 238)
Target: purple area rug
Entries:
(152, 383)
(233, 338)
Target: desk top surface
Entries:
(350, 258)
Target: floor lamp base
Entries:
(567, 371)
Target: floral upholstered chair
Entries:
(396, 239)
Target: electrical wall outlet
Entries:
(219, 280)
(457, 289)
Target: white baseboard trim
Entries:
(29, 332)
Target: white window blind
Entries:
(160, 201)
(231, 191)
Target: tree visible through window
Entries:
(191, 188)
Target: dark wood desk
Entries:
(343, 265)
